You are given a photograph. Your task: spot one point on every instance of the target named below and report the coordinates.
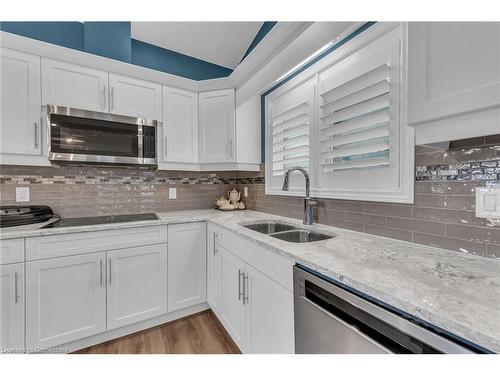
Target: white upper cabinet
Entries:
(74, 86)
(453, 70)
(65, 299)
(289, 119)
(20, 122)
(217, 126)
(187, 267)
(133, 97)
(12, 307)
(180, 125)
(137, 284)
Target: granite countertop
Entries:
(456, 292)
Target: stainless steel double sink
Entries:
(287, 232)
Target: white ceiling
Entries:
(221, 43)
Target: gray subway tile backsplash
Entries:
(442, 215)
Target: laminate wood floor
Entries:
(200, 333)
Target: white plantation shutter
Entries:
(290, 139)
(289, 118)
(350, 134)
(354, 129)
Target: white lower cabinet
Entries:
(214, 270)
(50, 302)
(186, 265)
(65, 299)
(12, 308)
(270, 323)
(256, 310)
(136, 284)
(233, 311)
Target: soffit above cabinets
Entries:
(221, 43)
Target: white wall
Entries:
(248, 131)
(313, 38)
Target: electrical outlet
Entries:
(22, 194)
(172, 193)
(245, 191)
(488, 202)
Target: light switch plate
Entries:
(22, 194)
(172, 193)
(488, 202)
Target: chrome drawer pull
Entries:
(245, 291)
(16, 293)
(240, 293)
(36, 135)
(100, 272)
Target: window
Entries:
(290, 115)
(346, 123)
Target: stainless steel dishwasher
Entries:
(331, 319)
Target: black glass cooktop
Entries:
(96, 220)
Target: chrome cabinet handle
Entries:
(110, 271)
(165, 146)
(36, 135)
(104, 96)
(240, 293)
(216, 243)
(16, 292)
(112, 98)
(100, 272)
(245, 291)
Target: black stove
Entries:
(22, 216)
(97, 220)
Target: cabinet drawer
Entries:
(12, 251)
(277, 267)
(90, 242)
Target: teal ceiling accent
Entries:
(294, 74)
(108, 39)
(112, 40)
(263, 31)
(65, 34)
(154, 57)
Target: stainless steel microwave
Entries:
(82, 136)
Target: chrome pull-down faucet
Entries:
(309, 203)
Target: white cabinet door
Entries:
(270, 323)
(187, 277)
(12, 308)
(453, 68)
(233, 311)
(65, 299)
(134, 97)
(217, 126)
(180, 125)
(74, 86)
(136, 284)
(214, 287)
(20, 121)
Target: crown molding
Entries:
(284, 46)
